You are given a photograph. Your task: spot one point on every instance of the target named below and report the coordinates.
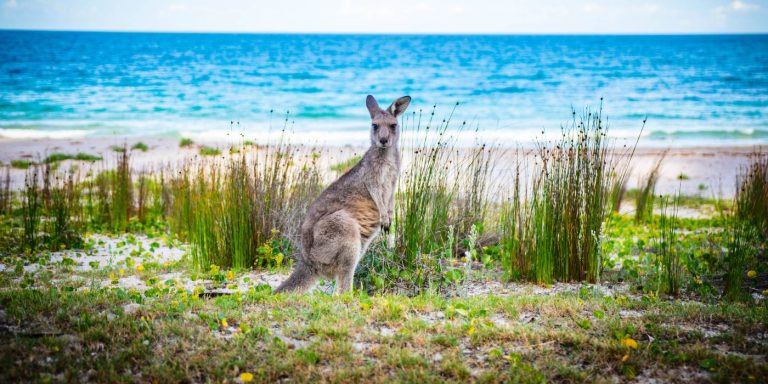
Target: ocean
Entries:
(694, 90)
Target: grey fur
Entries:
(343, 220)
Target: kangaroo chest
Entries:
(381, 185)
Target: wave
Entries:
(732, 134)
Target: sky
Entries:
(391, 16)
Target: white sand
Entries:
(710, 172)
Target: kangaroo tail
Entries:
(301, 280)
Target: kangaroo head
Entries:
(385, 131)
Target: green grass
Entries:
(243, 211)
(209, 151)
(21, 164)
(668, 265)
(553, 232)
(346, 165)
(752, 194)
(174, 336)
(57, 157)
(186, 142)
(645, 198)
(140, 147)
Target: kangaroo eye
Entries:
(375, 126)
(393, 126)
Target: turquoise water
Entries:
(695, 90)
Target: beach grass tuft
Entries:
(140, 147)
(186, 142)
(209, 151)
(21, 164)
(644, 201)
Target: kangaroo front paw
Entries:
(385, 223)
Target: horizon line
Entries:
(3, 29)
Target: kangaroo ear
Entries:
(399, 106)
(373, 106)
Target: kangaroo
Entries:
(347, 215)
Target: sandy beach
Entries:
(705, 171)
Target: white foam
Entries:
(6, 133)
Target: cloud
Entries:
(740, 6)
(10, 4)
(722, 12)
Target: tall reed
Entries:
(569, 201)
(424, 194)
(752, 194)
(65, 226)
(515, 226)
(738, 249)
(6, 198)
(619, 189)
(121, 192)
(238, 206)
(668, 266)
(31, 209)
(647, 189)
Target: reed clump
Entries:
(551, 224)
(752, 194)
(669, 268)
(244, 211)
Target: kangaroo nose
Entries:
(383, 140)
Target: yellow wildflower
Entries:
(629, 342)
(140, 268)
(121, 271)
(230, 275)
(246, 377)
(625, 358)
(224, 323)
(752, 274)
(471, 330)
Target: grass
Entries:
(644, 200)
(171, 335)
(752, 194)
(556, 230)
(346, 165)
(140, 147)
(57, 157)
(669, 268)
(240, 205)
(209, 151)
(186, 142)
(21, 164)
(618, 189)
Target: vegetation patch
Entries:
(140, 147)
(57, 157)
(209, 151)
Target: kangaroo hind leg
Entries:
(336, 248)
